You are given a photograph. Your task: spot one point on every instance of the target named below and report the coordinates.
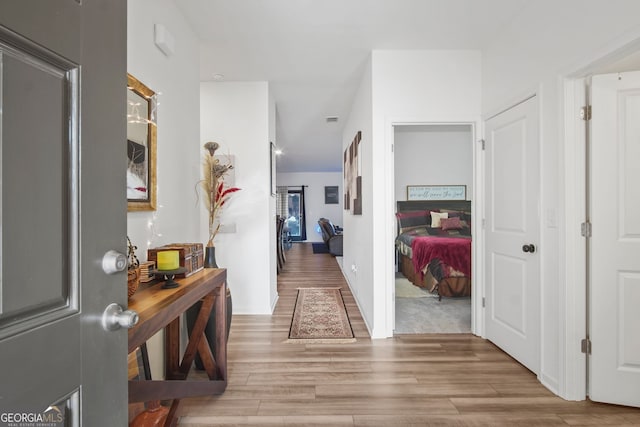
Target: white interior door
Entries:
(63, 205)
(614, 366)
(512, 265)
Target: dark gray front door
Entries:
(62, 207)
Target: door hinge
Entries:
(585, 113)
(482, 142)
(585, 346)
(483, 302)
(392, 148)
(585, 229)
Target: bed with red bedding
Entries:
(435, 254)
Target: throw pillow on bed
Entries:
(436, 217)
(451, 223)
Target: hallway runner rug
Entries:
(320, 316)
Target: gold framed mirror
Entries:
(141, 146)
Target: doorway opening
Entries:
(433, 172)
(296, 219)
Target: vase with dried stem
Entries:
(216, 193)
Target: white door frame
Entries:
(477, 198)
(573, 303)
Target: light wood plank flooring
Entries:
(409, 380)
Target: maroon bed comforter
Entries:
(454, 251)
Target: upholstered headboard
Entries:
(424, 205)
(415, 215)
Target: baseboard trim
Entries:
(355, 296)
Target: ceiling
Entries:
(313, 54)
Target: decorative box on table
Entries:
(191, 256)
(145, 268)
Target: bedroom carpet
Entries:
(422, 313)
(406, 289)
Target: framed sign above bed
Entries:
(436, 192)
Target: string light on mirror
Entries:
(138, 102)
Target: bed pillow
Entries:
(436, 217)
(452, 213)
(451, 223)
(411, 220)
(465, 217)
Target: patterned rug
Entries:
(320, 317)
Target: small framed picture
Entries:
(331, 195)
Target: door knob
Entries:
(114, 318)
(113, 262)
(529, 248)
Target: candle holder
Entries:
(169, 276)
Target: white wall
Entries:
(433, 155)
(239, 116)
(315, 208)
(176, 78)
(408, 87)
(357, 248)
(547, 41)
(273, 288)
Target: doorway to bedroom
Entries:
(433, 185)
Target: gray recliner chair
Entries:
(331, 237)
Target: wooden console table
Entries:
(162, 308)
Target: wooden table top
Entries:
(157, 307)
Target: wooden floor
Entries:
(409, 380)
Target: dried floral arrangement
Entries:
(133, 270)
(216, 193)
(133, 262)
